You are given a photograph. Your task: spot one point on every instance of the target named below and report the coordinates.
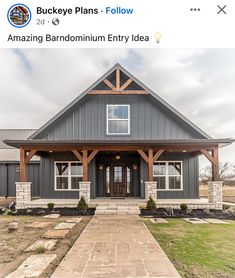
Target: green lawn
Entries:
(205, 251)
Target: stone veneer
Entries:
(216, 193)
(151, 190)
(23, 194)
(84, 190)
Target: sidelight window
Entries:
(168, 175)
(118, 119)
(68, 175)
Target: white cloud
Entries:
(37, 83)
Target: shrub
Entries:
(82, 205)
(225, 207)
(51, 206)
(40, 250)
(184, 207)
(151, 205)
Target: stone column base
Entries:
(23, 194)
(216, 193)
(151, 190)
(84, 190)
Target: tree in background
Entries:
(226, 173)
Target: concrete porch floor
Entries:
(116, 201)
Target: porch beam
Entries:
(92, 155)
(109, 84)
(215, 165)
(208, 155)
(150, 154)
(78, 155)
(126, 84)
(30, 155)
(118, 79)
(143, 155)
(85, 165)
(22, 165)
(157, 155)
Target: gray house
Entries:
(118, 139)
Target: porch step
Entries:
(117, 209)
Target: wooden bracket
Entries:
(157, 155)
(91, 156)
(30, 155)
(78, 155)
(109, 84)
(126, 84)
(143, 155)
(208, 155)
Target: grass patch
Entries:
(40, 250)
(206, 250)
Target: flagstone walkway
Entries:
(113, 246)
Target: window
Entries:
(117, 177)
(118, 119)
(168, 175)
(68, 175)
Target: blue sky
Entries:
(36, 83)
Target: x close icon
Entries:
(222, 9)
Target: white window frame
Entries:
(69, 175)
(107, 119)
(167, 175)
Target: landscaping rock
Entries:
(157, 220)
(52, 216)
(196, 221)
(33, 266)
(13, 226)
(47, 244)
(74, 220)
(215, 221)
(64, 226)
(55, 234)
(38, 225)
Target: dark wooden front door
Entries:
(118, 181)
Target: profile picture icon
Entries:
(19, 15)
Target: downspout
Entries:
(7, 185)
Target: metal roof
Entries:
(9, 153)
(153, 94)
(16, 134)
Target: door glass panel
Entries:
(117, 174)
(107, 178)
(128, 180)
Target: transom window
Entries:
(118, 119)
(68, 175)
(168, 175)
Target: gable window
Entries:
(68, 175)
(118, 119)
(168, 175)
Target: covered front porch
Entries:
(146, 157)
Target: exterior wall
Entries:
(9, 174)
(190, 177)
(47, 177)
(149, 120)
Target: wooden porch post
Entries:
(85, 165)
(22, 165)
(150, 164)
(215, 165)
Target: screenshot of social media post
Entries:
(117, 139)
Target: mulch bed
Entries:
(45, 211)
(178, 213)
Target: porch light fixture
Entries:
(50, 151)
(101, 167)
(135, 167)
(184, 151)
(117, 157)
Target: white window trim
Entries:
(107, 119)
(167, 175)
(69, 175)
